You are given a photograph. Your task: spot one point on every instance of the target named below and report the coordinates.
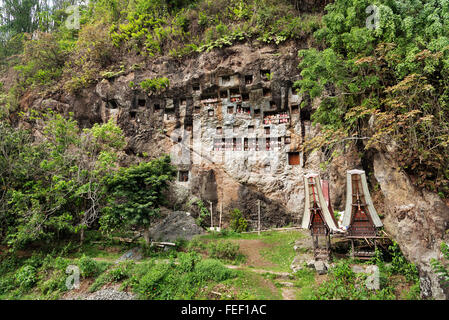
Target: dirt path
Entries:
(288, 294)
(251, 249)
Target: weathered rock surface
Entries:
(177, 225)
(417, 220)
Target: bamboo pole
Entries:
(258, 217)
(221, 213)
(211, 216)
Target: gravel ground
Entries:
(110, 294)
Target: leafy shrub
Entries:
(187, 261)
(88, 266)
(26, 277)
(151, 285)
(202, 215)
(155, 85)
(438, 266)
(56, 283)
(211, 269)
(99, 282)
(7, 283)
(400, 265)
(196, 245)
(225, 250)
(238, 222)
(8, 264)
(122, 271)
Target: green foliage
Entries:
(163, 281)
(188, 261)
(440, 267)
(203, 214)
(54, 187)
(42, 61)
(400, 265)
(344, 284)
(155, 85)
(26, 277)
(88, 266)
(136, 193)
(390, 74)
(152, 27)
(226, 250)
(238, 222)
(210, 269)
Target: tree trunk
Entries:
(146, 235)
(82, 235)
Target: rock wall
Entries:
(230, 120)
(417, 220)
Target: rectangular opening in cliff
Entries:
(266, 92)
(295, 109)
(305, 114)
(248, 79)
(197, 109)
(141, 102)
(267, 130)
(268, 144)
(112, 104)
(183, 176)
(223, 94)
(225, 80)
(293, 158)
(265, 74)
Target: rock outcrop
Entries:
(417, 220)
(178, 225)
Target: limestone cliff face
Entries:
(230, 120)
(233, 126)
(417, 220)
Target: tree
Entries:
(385, 85)
(136, 194)
(54, 186)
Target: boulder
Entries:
(179, 225)
(320, 267)
(133, 254)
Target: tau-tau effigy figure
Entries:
(318, 216)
